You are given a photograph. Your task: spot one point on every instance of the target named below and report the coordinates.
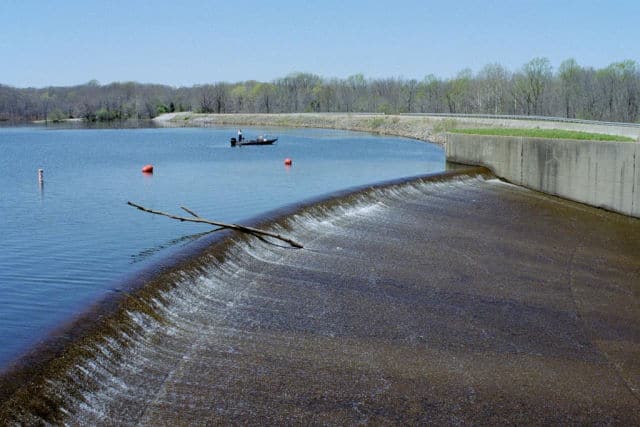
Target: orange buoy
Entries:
(147, 169)
(288, 161)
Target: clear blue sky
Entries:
(186, 42)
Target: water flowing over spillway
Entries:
(451, 299)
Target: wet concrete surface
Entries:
(465, 301)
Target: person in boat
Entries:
(239, 135)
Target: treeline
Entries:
(573, 91)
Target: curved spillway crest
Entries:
(458, 300)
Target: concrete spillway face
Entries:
(460, 298)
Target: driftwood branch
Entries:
(222, 225)
(190, 212)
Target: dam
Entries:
(451, 298)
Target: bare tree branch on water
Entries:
(221, 225)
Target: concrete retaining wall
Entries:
(602, 174)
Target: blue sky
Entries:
(188, 42)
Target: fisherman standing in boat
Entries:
(239, 135)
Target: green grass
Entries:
(544, 133)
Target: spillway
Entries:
(456, 299)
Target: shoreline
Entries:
(420, 127)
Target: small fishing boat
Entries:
(261, 140)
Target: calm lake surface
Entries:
(67, 243)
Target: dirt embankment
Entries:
(421, 128)
(424, 128)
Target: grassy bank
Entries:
(544, 133)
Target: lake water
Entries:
(67, 243)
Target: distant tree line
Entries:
(573, 91)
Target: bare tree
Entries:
(610, 93)
(538, 74)
(569, 73)
(493, 82)
(457, 92)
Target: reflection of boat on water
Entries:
(261, 140)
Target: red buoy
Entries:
(147, 169)
(288, 161)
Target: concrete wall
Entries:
(602, 174)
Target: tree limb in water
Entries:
(238, 227)
(192, 213)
